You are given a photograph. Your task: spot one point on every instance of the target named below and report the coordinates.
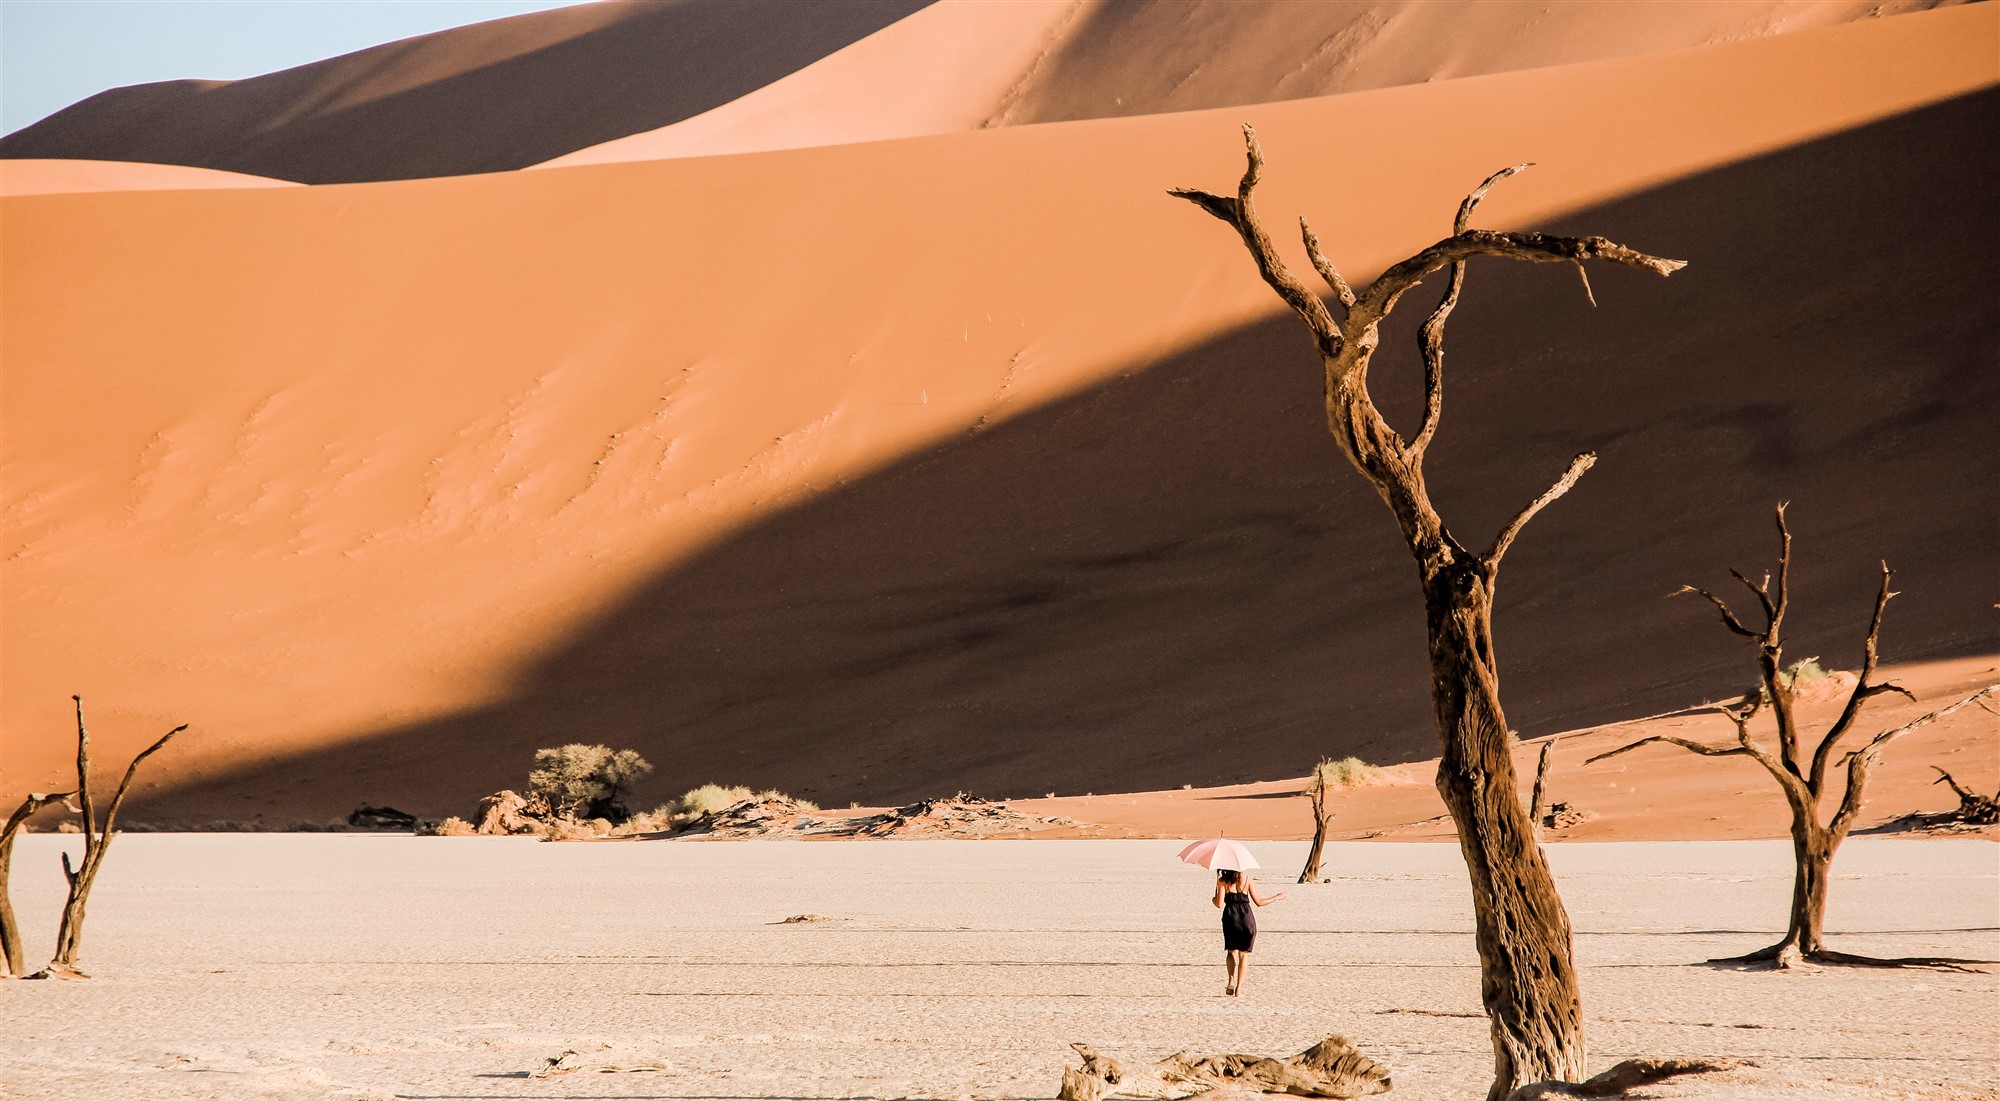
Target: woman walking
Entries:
(1234, 895)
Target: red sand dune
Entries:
(29, 177)
(959, 65)
(1657, 793)
(516, 92)
(973, 460)
(482, 98)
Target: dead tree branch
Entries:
(1974, 809)
(1505, 539)
(96, 842)
(10, 928)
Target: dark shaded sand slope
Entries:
(483, 98)
(1169, 578)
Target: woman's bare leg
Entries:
(1231, 959)
(1242, 965)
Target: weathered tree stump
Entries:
(1330, 1068)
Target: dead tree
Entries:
(96, 841)
(1974, 809)
(1316, 792)
(1802, 774)
(1522, 931)
(1538, 803)
(10, 929)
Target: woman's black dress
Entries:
(1239, 925)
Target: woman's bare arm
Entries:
(1251, 886)
(1218, 895)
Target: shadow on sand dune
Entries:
(1171, 577)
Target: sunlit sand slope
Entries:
(975, 460)
(29, 177)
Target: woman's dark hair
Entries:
(1230, 877)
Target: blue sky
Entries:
(56, 52)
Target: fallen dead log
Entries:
(1974, 809)
(1330, 1068)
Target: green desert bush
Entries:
(586, 780)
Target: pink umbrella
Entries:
(1218, 853)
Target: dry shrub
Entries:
(579, 779)
(1347, 772)
(450, 827)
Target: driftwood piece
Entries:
(1974, 809)
(1626, 1076)
(96, 842)
(10, 928)
(1330, 1068)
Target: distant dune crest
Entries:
(616, 81)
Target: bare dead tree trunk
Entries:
(1802, 778)
(1523, 933)
(1321, 821)
(10, 928)
(96, 841)
(1538, 803)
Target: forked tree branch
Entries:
(1241, 212)
(1536, 248)
(1695, 747)
(132, 770)
(1863, 690)
(1761, 590)
(1771, 649)
(1729, 619)
(1324, 266)
(1507, 534)
(1369, 307)
(1430, 338)
(1862, 760)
